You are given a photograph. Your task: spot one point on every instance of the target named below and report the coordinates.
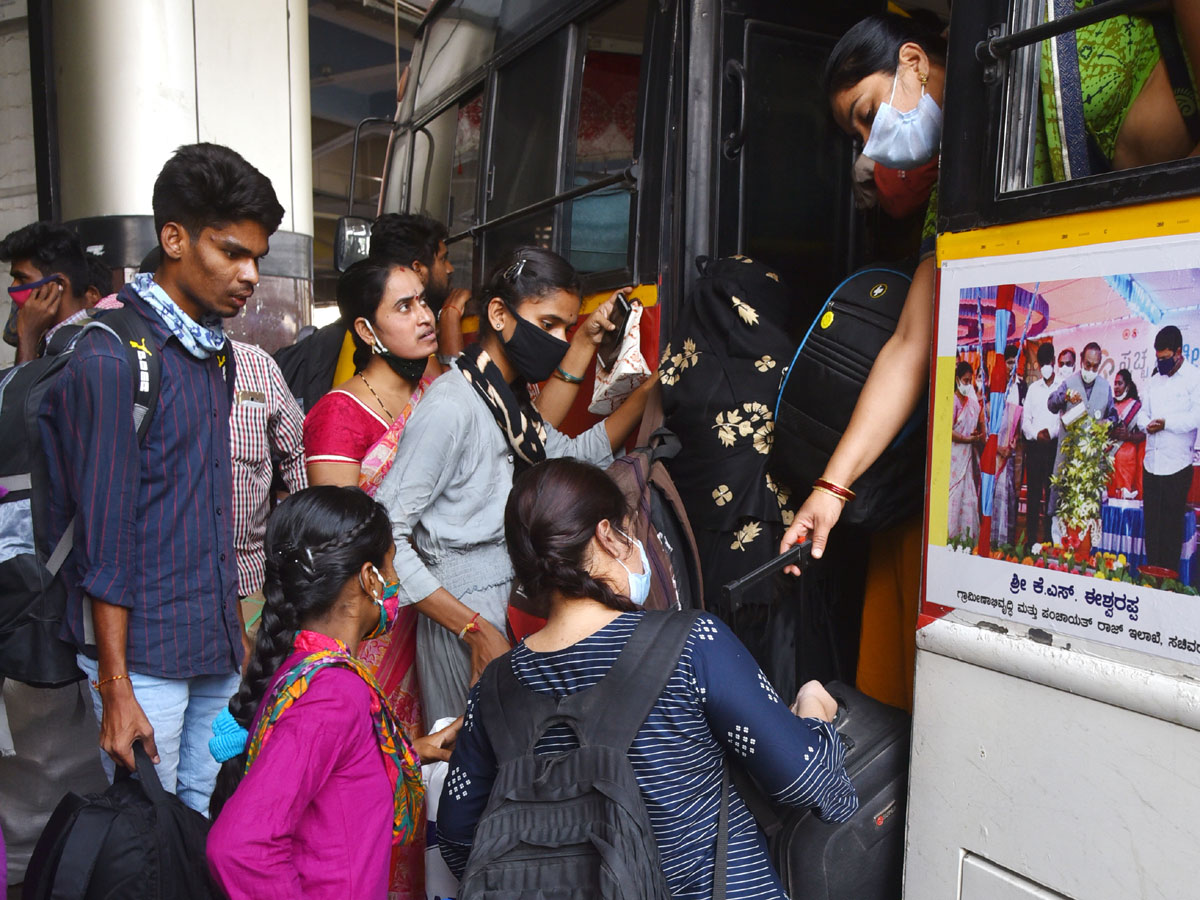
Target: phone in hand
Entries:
(610, 344)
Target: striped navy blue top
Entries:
(156, 520)
(717, 700)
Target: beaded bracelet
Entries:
(567, 376)
(470, 627)
(103, 681)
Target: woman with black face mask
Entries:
(474, 430)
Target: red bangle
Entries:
(836, 489)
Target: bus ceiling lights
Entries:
(1140, 301)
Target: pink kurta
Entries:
(313, 816)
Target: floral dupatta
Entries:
(399, 757)
(378, 459)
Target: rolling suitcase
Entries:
(862, 858)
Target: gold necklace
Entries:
(391, 418)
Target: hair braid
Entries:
(317, 540)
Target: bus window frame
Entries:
(486, 79)
(970, 194)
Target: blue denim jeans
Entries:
(181, 711)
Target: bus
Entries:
(1057, 694)
(1056, 730)
(630, 137)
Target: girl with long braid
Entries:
(318, 779)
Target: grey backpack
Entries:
(573, 824)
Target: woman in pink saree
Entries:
(350, 439)
(966, 435)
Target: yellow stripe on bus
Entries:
(1166, 218)
(939, 455)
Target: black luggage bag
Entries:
(862, 858)
(135, 841)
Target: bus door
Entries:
(780, 166)
(1056, 730)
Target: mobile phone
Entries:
(610, 344)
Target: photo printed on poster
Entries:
(1071, 386)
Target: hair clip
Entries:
(514, 271)
(308, 553)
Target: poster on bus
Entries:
(1067, 443)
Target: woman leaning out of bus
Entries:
(309, 743)
(474, 430)
(885, 80)
(566, 529)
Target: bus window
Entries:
(433, 145)
(524, 160)
(1112, 95)
(604, 137)
(457, 43)
(793, 182)
(464, 180)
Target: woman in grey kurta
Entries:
(455, 464)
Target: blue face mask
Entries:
(905, 140)
(639, 582)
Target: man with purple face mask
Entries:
(1170, 416)
(50, 277)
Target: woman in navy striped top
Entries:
(570, 555)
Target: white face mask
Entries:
(1088, 376)
(1065, 372)
(1047, 371)
(1120, 396)
(905, 140)
(965, 389)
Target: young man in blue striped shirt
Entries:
(152, 576)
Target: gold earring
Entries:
(924, 78)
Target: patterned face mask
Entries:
(388, 603)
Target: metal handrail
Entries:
(996, 49)
(627, 177)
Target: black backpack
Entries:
(573, 824)
(136, 841)
(822, 386)
(32, 594)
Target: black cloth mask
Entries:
(534, 353)
(408, 369)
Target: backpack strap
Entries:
(721, 863)
(133, 333)
(613, 710)
(609, 713)
(82, 849)
(513, 716)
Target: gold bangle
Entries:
(103, 681)
(835, 487)
(829, 492)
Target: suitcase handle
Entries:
(797, 555)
